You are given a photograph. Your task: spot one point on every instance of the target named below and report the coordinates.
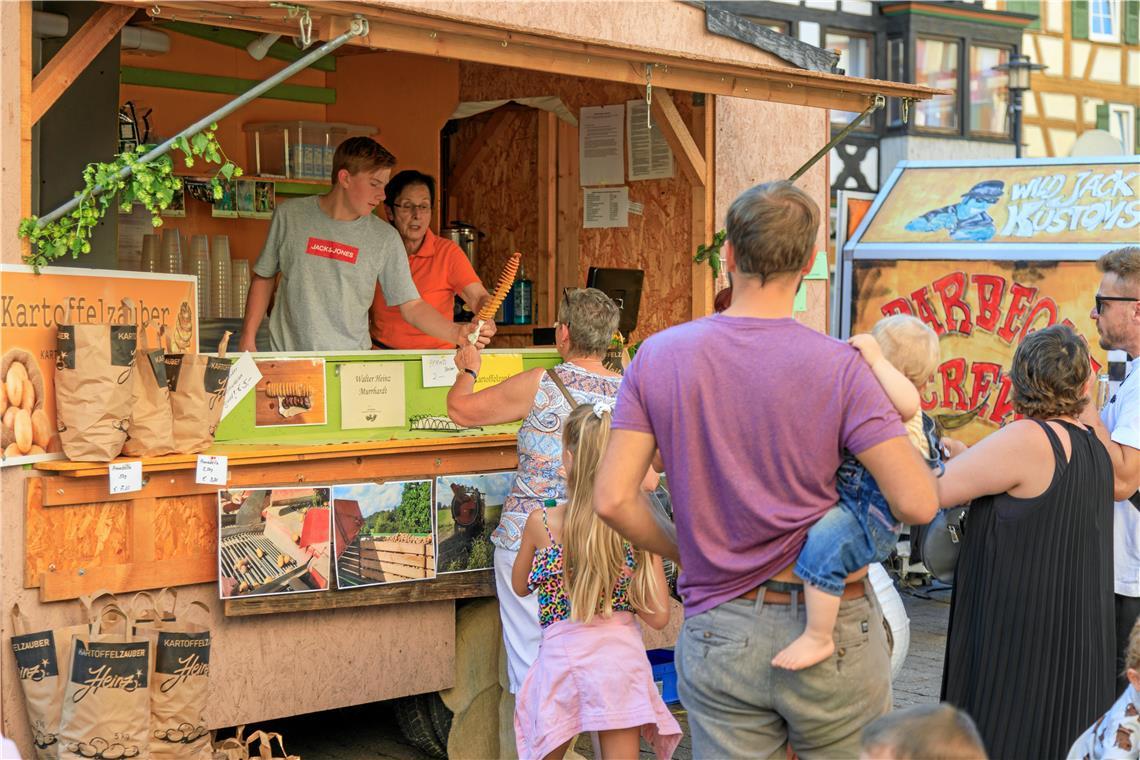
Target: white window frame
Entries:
(1121, 123)
(1113, 17)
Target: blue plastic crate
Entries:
(664, 674)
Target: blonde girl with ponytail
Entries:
(591, 673)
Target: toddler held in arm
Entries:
(902, 353)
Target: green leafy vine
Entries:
(153, 184)
(711, 253)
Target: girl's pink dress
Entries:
(588, 677)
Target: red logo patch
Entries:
(330, 249)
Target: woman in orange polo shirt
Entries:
(439, 267)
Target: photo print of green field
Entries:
(273, 541)
(467, 509)
(382, 533)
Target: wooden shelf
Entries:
(283, 185)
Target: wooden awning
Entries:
(424, 31)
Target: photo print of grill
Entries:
(273, 541)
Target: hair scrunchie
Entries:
(601, 407)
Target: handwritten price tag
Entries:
(125, 477)
(244, 374)
(211, 470)
(438, 370)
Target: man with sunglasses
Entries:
(1117, 316)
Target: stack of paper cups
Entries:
(239, 288)
(199, 266)
(171, 261)
(151, 255)
(220, 277)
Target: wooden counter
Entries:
(79, 538)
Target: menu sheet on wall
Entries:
(649, 154)
(605, 207)
(600, 146)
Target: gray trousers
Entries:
(741, 707)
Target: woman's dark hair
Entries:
(403, 179)
(1050, 369)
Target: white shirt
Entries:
(1115, 736)
(1121, 415)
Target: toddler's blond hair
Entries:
(910, 345)
(1132, 654)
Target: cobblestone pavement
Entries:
(370, 732)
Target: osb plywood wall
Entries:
(499, 196)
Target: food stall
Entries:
(984, 253)
(305, 449)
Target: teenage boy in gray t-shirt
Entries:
(331, 251)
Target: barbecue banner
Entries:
(33, 305)
(1023, 203)
(981, 311)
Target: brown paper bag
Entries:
(94, 388)
(106, 706)
(41, 664)
(179, 682)
(151, 431)
(265, 748)
(197, 394)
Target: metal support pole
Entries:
(358, 28)
(1015, 106)
(878, 103)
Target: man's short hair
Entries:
(1124, 263)
(361, 154)
(405, 179)
(1049, 372)
(923, 732)
(772, 228)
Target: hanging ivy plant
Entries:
(711, 253)
(153, 184)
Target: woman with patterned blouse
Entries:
(587, 319)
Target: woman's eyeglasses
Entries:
(1101, 299)
(565, 308)
(412, 209)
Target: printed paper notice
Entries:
(212, 470)
(605, 207)
(496, 368)
(372, 395)
(600, 156)
(439, 370)
(124, 477)
(244, 375)
(649, 155)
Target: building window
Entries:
(1121, 123)
(855, 59)
(1104, 20)
(936, 65)
(988, 91)
(896, 72)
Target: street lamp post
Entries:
(1019, 68)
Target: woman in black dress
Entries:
(1029, 654)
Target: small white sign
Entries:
(605, 207)
(439, 370)
(244, 375)
(212, 470)
(125, 477)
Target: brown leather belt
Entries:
(778, 592)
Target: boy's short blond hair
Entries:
(910, 345)
(923, 732)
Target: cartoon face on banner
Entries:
(1089, 203)
(981, 311)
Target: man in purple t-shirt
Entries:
(752, 412)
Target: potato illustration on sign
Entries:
(26, 428)
(183, 329)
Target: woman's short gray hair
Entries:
(592, 318)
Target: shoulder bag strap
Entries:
(562, 387)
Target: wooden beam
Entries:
(137, 576)
(547, 216)
(569, 213)
(465, 585)
(481, 146)
(703, 121)
(675, 132)
(76, 55)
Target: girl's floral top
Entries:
(546, 578)
(540, 447)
